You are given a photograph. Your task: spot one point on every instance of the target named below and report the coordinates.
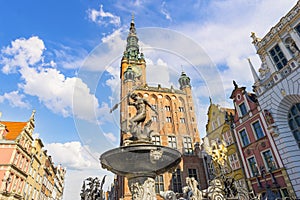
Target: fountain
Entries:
(139, 160)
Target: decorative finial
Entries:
(235, 85)
(210, 101)
(255, 39)
(32, 115)
(132, 17)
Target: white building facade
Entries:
(278, 91)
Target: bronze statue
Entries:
(138, 132)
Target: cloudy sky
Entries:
(62, 59)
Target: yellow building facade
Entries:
(219, 128)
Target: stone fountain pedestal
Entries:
(140, 162)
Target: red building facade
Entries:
(263, 165)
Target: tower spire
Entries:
(254, 74)
(132, 51)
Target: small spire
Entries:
(132, 17)
(32, 115)
(235, 85)
(210, 101)
(254, 74)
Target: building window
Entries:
(258, 130)
(172, 142)
(169, 119)
(154, 106)
(159, 183)
(167, 108)
(182, 120)
(187, 145)
(176, 181)
(243, 109)
(193, 173)
(244, 137)
(227, 137)
(234, 161)
(297, 28)
(278, 57)
(181, 109)
(269, 160)
(253, 166)
(294, 121)
(156, 139)
(154, 118)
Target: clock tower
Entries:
(174, 126)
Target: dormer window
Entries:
(243, 109)
(278, 57)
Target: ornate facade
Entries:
(173, 125)
(277, 88)
(261, 160)
(24, 170)
(219, 128)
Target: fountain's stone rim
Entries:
(117, 160)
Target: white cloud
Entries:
(74, 156)
(164, 73)
(226, 37)
(103, 18)
(165, 12)
(49, 85)
(22, 53)
(15, 99)
(111, 137)
(80, 163)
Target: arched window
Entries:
(294, 121)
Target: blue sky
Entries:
(50, 47)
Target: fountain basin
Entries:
(140, 160)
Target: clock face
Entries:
(137, 70)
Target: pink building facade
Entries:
(262, 163)
(15, 156)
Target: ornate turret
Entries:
(184, 81)
(129, 74)
(132, 47)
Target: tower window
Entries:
(176, 181)
(154, 118)
(193, 173)
(167, 108)
(172, 142)
(181, 109)
(169, 119)
(294, 122)
(187, 145)
(159, 183)
(156, 139)
(182, 120)
(278, 57)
